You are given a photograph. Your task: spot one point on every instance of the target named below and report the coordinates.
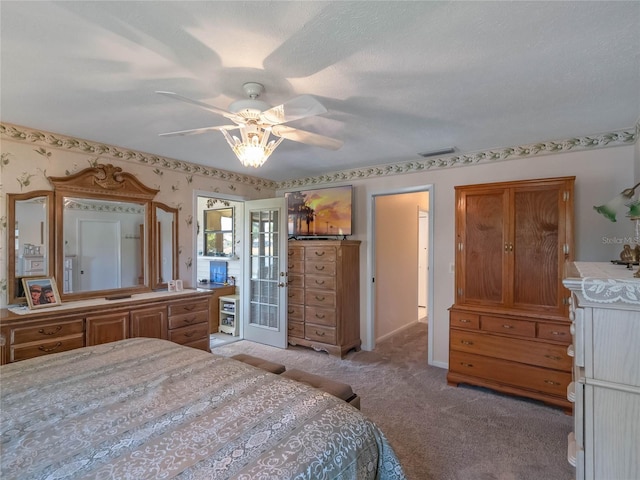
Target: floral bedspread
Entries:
(151, 409)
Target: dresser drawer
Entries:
(295, 312)
(320, 316)
(320, 282)
(320, 298)
(514, 349)
(295, 295)
(187, 319)
(189, 334)
(320, 333)
(320, 268)
(464, 320)
(295, 280)
(521, 328)
(295, 329)
(539, 379)
(46, 332)
(295, 253)
(188, 307)
(325, 254)
(200, 344)
(37, 349)
(295, 266)
(552, 331)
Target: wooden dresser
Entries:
(182, 317)
(509, 326)
(323, 309)
(605, 310)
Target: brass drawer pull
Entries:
(466, 364)
(189, 320)
(42, 348)
(291, 310)
(551, 382)
(320, 334)
(319, 298)
(291, 295)
(320, 254)
(466, 342)
(320, 282)
(320, 267)
(189, 334)
(58, 328)
(318, 315)
(557, 333)
(552, 357)
(189, 307)
(507, 326)
(464, 320)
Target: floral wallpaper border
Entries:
(589, 142)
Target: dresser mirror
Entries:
(104, 235)
(30, 239)
(165, 245)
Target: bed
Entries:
(145, 408)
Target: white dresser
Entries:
(605, 314)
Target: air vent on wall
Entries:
(435, 153)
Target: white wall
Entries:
(600, 174)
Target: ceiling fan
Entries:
(256, 120)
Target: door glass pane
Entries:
(265, 267)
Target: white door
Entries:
(265, 272)
(423, 258)
(98, 255)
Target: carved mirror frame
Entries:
(109, 183)
(14, 287)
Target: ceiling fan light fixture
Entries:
(254, 148)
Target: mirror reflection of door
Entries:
(99, 255)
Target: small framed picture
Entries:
(41, 292)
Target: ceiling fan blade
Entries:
(196, 131)
(206, 106)
(294, 109)
(306, 137)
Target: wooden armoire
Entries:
(509, 325)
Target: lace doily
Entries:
(606, 283)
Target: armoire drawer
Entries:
(554, 331)
(529, 377)
(509, 326)
(518, 350)
(325, 254)
(295, 280)
(464, 320)
(295, 295)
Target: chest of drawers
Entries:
(323, 295)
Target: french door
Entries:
(265, 276)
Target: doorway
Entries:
(401, 231)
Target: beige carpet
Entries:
(439, 432)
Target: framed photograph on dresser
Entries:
(41, 292)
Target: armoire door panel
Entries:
(483, 248)
(535, 252)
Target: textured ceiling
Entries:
(398, 78)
